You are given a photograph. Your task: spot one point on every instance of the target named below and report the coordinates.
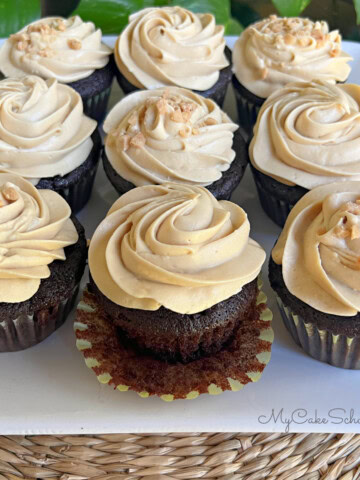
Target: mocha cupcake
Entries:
(275, 51)
(46, 138)
(315, 273)
(68, 50)
(43, 255)
(171, 46)
(306, 135)
(173, 306)
(172, 134)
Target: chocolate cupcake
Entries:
(43, 255)
(171, 46)
(68, 50)
(46, 138)
(316, 276)
(173, 295)
(275, 51)
(307, 134)
(172, 134)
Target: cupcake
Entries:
(172, 134)
(315, 272)
(67, 50)
(42, 259)
(275, 51)
(307, 134)
(171, 46)
(173, 306)
(46, 138)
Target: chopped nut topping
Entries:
(355, 232)
(289, 39)
(61, 25)
(10, 194)
(210, 121)
(304, 41)
(161, 105)
(334, 52)
(123, 142)
(74, 43)
(177, 116)
(22, 46)
(185, 133)
(195, 131)
(138, 140)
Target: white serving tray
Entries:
(49, 390)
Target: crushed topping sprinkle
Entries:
(74, 44)
(10, 194)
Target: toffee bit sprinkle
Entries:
(355, 232)
(10, 194)
(123, 142)
(210, 121)
(74, 44)
(138, 141)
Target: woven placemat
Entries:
(182, 456)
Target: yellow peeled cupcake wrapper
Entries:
(112, 362)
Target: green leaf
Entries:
(290, 8)
(357, 9)
(15, 14)
(112, 15)
(233, 27)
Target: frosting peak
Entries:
(171, 46)
(168, 134)
(43, 131)
(275, 51)
(174, 246)
(55, 47)
(308, 134)
(319, 249)
(34, 230)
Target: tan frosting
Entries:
(175, 246)
(275, 51)
(319, 249)
(308, 134)
(55, 47)
(172, 134)
(34, 230)
(43, 131)
(171, 46)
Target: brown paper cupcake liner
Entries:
(26, 331)
(337, 350)
(118, 364)
(248, 106)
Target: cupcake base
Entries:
(28, 323)
(276, 198)
(222, 189)
(95, 90)
(217, 92)
(328, 338)
(76, 186)
(117, 362)
(248, 106)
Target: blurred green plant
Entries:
(112, 15)
(293, 8)
(15, 14)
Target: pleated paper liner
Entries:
(118, 364)
(337, 350)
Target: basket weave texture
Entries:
(182, 456)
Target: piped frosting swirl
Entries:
(54, 47)
(319, 249)
(276, 51)
(171, 46)
(34, 230)
(43, 131)
(308, 134)
(169, 134)
(174, 246)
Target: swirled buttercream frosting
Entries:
(171, 46)
(169, 134)
(54, 47)
(308, 134)
(34, 230)
(275, 51)
(319, 249)
(175, 246)
(43, 131)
